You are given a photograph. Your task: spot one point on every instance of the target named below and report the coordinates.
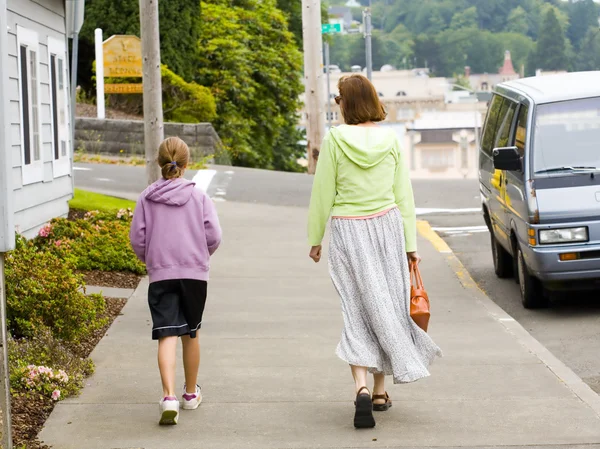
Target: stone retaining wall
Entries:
(126, 137)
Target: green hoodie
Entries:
(361, 171)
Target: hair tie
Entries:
(173, 163)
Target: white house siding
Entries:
(37, 202)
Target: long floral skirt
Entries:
(369, 268)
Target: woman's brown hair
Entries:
(358, 100)
(173, 157)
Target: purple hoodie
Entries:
(175, 230)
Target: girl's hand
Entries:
(413, 258)
(315, 253)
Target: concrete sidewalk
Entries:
(271, 379)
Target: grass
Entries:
(85, 200)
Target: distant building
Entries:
(443, 145)
(340, 14)
(540, 72)
(485, 82)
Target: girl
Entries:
(362, 180)
(175, 230)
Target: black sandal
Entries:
(363, 417)
(382, 407)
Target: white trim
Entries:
(169, 327)
(62, 165)
(34, 171)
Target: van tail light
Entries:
(532, 202)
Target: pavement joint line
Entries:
(565, 374)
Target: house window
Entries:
(437, 160)
(29, 95)
(57, 50)
(405, 114)
(333, 116)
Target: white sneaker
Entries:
(191, 401)
(169, 411)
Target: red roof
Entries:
(507, 68)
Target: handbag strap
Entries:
(415, 276)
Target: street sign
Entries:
(122, 57)
(331, 28)
(124, 88)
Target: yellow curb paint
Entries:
(438, 243)
(441, 246)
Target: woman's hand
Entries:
(413, 258)
(315, 253)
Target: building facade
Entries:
(39, 111)
(444, 145)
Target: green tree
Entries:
(179, 33)
(589, 54)
(399, 46)
(293, 11)
(583, 15)
(251, 63)
(518, 21)
(551, 46)
(465, 19)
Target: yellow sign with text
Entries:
(122, 57)
(123, 88)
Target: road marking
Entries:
(103, 179)
(229, 172)
(203, 179)
(461, 229)
(426, 231)
(430, 211)
(82, 168)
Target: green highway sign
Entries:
(331, 28)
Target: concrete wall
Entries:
(126, 137)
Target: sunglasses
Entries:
(338, 99)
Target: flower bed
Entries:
(54, 325)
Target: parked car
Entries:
(539, 172)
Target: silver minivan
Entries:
(539, 176)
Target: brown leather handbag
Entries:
(419, 301)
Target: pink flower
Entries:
(58, 243)
(56, 395)
(45, 230)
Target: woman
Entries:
(362, 181)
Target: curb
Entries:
(558, 368)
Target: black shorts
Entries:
(176, 306)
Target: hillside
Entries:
(447, 35)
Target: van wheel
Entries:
(503, 262)
(532, 292)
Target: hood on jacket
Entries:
(366, 146)
(173, 192)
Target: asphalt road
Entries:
(570, 328)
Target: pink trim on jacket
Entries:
(366, 217)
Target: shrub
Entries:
(183, 102)
(45, 365)
(100, 241)
(43, 291)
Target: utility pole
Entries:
(368, 32)
(153, 110)
(313, 79)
